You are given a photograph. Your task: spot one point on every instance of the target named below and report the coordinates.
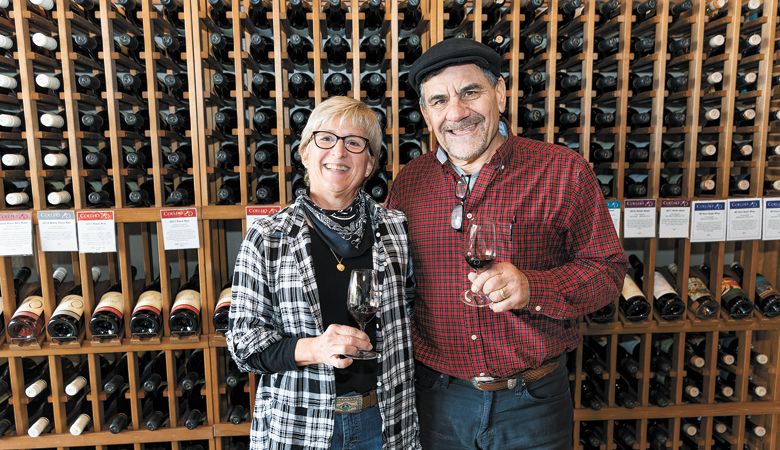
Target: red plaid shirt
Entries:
(553, 225)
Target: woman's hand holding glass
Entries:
(331, 346)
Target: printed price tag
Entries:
(771, 219)
(253, 213)
(180, 228)
(614, 212)
(675, 219)
(96, 230)
(16, 232)
(744, 219)
(57, 230)
(639, 218)
(709, 221)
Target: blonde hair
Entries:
(347, 111)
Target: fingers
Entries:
(340, 340)
(504, 284)
(345, 330)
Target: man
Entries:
(495, 377)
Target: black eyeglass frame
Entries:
(366, 145)
(461, 192)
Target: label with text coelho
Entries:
(771, 219)
(96, 230)
(675, 219)
(16, 232)
(744, 221)
(639, 218)
(708, 222)
(57, 230)
(614, 212)
(180, 228)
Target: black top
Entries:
(332, 285)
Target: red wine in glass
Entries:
(479, 249)
(363, 298)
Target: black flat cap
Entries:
(454, 52)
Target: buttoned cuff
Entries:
(541, 290)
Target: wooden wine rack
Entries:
(139, 230)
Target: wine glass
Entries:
(363, 298)
(479, 249)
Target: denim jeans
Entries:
(455, 415)
(358, 431)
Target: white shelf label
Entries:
(96, 230)
(253, 213)
(614, 212)
(57, 230)
(180, 228)
(771, 219)
(744, 219)
(709, 221)
(675, 219)
(16, 232)
(639, 218)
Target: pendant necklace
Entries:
(339, 265)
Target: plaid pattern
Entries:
(275, 296)
(553, 225)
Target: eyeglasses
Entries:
(461, 191)
(327, 140)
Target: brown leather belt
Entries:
(356, 403)
(526, 376)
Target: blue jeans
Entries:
(358, 431)
(455, 415)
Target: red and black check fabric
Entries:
(553, 225)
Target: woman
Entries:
(289, 321)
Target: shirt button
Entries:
(538, 308)
(378, 383)
(468, 216)
(378, 234)
(502, 167)
(473, 337)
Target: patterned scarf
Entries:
(343, 230)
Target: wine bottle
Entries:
(48, 82)
(671, 185)
(567, 118)
(570, 45)
(591, 436)
(628, 357)
(535, 43)
(568, 9)
(27, 322)
(184, 194)
(336, 49)
(455, 13)
(642, 45)
(680, 8)
(9, 83)
(741, 150)
(625, 395)
(10, 122)
(296, 14)
(259, 46)
(375, 14)
(591, 396)
(739, 184)
(607, 10)
(222, 83)
(534, 81)
(753, 429)
(674, 117)
(657, 434)
(408, 150)
(624, 433)
(679, 46)
(633, 302)
(298, 49)
(53, 122)
(78, 418)
(146, 320)
(607, 46)
(40, 418)
(18, 194)
(36, 378)
(194, 407)
(746, 80)
(411, 14)
(700, 299)
(692, 386)
(264, 120)
(375, 86)
(375, 48)
(178, 122)
(299, 185)
(744, 115)
(659, 394)
(715, 45)
(191, 370)
(75, 376)
(412, 48)
(108, 318)
(265, 155)
(67, 320)
(568, 82)
(184, 319)
(677, 83)
(705, 184)
(335, 15)
(114, 373)
(262, 84)
(299, 86)
(636, 185)
(153, 364)
(640, 83)
(267, 190)
(337, 84)
(132, 121)
(222, 309)
(155, 413)
(603, 118)
(750, 45)
(711, 116)
(226, 120)
(117, 409)
(638, 117)
(606, 313)
(712, 80)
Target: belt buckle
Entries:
(349, 404)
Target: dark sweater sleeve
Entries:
(278, 357)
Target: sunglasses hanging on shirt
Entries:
(461, 191)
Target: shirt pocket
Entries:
(530, 244)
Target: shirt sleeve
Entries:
(593, 277)
(278, 357)
(251, 328)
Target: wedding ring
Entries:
(503, 294)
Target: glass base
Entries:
(475, 300)
(364, 355)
